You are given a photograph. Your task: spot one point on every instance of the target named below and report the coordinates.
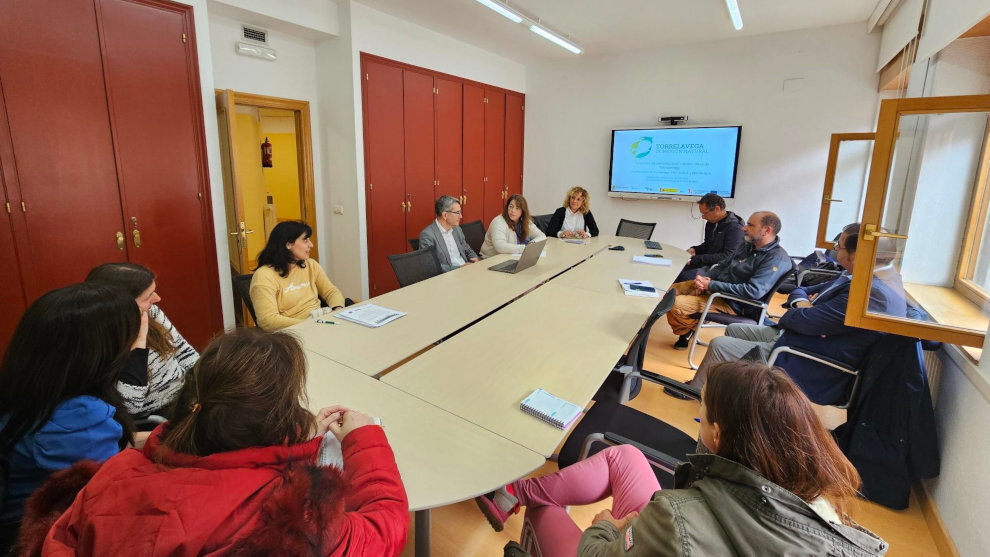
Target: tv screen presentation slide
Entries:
(675, 161)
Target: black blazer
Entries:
(557, 221)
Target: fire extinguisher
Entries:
(266, 154)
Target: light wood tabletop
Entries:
(442, 458)
(559, 338)
(435, 308)
(602, 272)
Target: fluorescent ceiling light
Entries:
(554, 38)
(501, 9)
(733, 8)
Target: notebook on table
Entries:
(550, 409)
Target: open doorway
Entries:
(267, 157)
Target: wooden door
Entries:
(513, 144)
(420, 163)
(449, 103)
(474, 155)
(58, 125)
(233, 202)
(154, 97)
(12, 293)
(494, 153)
(384, 172)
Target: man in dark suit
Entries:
(445, 236)
(815, 321)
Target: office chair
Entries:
(474, 235)
(633, 229)
(615, 386)
(242, 285)
(414, 243)
(708, 320)
(415, 266)
(542, 222)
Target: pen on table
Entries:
(698, 420)
(325, 322)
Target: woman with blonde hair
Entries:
(512, 230)
(574, 218)
(776, 483)
(235, 472)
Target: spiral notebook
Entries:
(550, 409)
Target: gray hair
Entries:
(444, 204)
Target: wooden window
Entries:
(973, 277)
(845, 180)
(926, 190)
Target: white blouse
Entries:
(573, 222)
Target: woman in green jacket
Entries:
(775, 483)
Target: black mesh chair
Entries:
(542, 222)
(242, 285)
(474, 234)
(708, 320)
(414, 243)
(616, 385)
(415, 266)
(633, 229)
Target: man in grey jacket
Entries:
(749, 272)
(446, 237)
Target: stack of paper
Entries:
(643, 288)
(652, 260)
(370, 315)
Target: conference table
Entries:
(447, 378)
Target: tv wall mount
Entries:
(672, 120)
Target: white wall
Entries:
(572, 105)
(383, 35)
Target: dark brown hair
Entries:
(767, 424)
(523, 218)
(248, 389)
(134, 279)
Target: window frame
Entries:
(833, 160)
(975, 229)
(857, 314)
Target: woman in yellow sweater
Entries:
(288, 284)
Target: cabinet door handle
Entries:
(120, 241)
(137, 237)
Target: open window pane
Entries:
(845, 184)
(918, 230)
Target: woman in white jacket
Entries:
(512, 230)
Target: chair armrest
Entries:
(682, 388)
(754, 303)
(824, 272)
(824, 360)
(662, 459)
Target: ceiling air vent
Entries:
(256, 35)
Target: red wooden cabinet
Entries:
(474, 154)
(102, 102)
(428, 134)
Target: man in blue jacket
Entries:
(815, 321)
(749, 272)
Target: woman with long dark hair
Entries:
(235, 471)
(170, 357)
(512, 230)
(776, 483)
(288, 285)
(58, 389)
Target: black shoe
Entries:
(682, 342)
(676, 394)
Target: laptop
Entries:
(529, 257)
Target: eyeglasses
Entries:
(453, 212)
(837, 247)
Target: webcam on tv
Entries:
(672, 120)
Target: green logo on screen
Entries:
(641, 147)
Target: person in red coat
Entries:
(235, 472)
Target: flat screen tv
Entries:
(675, 162)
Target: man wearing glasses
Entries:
(446, 237)
(723, 235)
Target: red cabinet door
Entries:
(156, 114)
(513, 143)
(474, 155)
(494, 153)
(420, 162)
(450, 135)
(12, 291)
(59, 130)
(384, 172)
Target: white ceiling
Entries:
(611, 26)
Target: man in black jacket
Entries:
(723, 235)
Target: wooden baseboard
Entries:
(940, 534)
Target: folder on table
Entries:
(550, 409)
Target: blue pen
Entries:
(698, 420)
